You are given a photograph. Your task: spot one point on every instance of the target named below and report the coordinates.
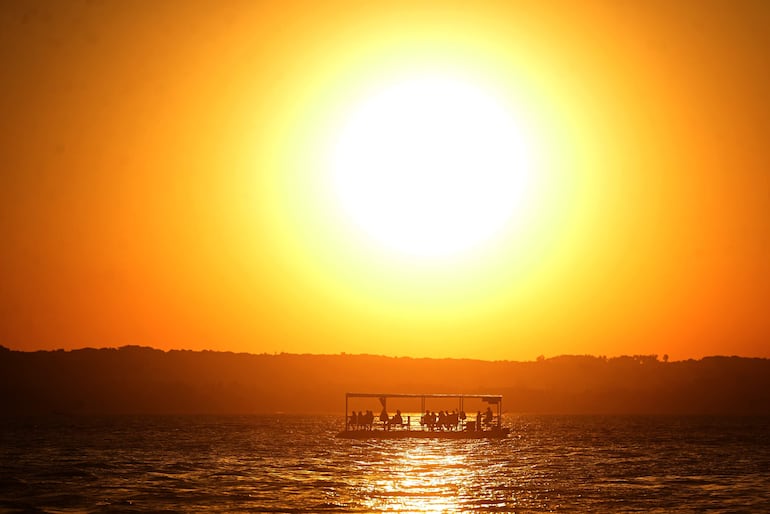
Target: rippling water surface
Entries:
(286, 463)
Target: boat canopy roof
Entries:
(489, 398)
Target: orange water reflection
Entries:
(426, 476)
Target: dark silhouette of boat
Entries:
(455, 424)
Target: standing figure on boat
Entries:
(385, 419)
(353, 421)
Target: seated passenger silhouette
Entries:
(442, 422)
(397, 419)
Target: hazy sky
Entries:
(164, 181)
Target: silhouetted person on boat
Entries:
(385, 419)
(478, 421)
(366, 420)
(369, 419)
(360, 420)
(441, 420)
(397, 419)
(452, 420)
(353, 420)
(489, 416)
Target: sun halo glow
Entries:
(430, 167)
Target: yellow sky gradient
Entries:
(163, 178)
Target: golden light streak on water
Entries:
(426, 477)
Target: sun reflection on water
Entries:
(425, 476)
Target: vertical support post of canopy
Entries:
(345, 414)
(500, 414)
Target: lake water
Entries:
(292, 463)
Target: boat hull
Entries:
(423, 434)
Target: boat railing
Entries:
(417, 422)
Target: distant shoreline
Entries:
(141, 380)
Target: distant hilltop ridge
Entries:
(142, 380)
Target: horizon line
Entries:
(652, 357)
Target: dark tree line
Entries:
(136, 379)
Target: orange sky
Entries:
(161, 180)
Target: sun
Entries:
(430, 166)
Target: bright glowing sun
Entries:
(430, 166)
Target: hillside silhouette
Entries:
(141, 380)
